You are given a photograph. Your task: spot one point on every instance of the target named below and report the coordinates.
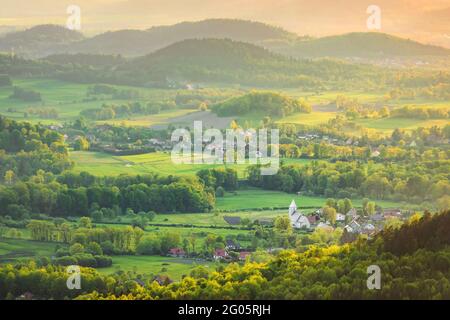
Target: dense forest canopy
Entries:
(26, 149)
(268, 103)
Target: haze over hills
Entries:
(39, 41)
(137, 42)
(46, 40)
(360, 44)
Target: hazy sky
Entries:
(425, 20)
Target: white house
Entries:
(340, 217)
(298, 220)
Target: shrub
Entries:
(103, 261)
(220, 192)
(86, 260)
(66, 261)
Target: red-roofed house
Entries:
(243, 255)
(220, 254)
(177, 252)
(313, 219)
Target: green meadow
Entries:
(311, 119)
(101, 164)
(175, 268)
(163, 118)
(68, 98)
(214, 219)
(15, 250)
(264, 199)
(386, 126)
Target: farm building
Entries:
(176, 252)
(220, 254)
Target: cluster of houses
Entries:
(352, 222)
(232, 251)
(355, 142)
(225, 255)
(332, 140)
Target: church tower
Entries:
(292, 208)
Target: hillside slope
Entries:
(44, 40)
(359, 44)
(39, 40)
(137, 42)
(226, 61)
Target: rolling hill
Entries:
(85, 59)
(359, 44)
(137, 42)
(227, 61)
(45, 40)
(40, 40)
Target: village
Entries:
(353, 223)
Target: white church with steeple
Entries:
(298, 220)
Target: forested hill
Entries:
(359, 44)
(137, 42)
(86, 59)
(242, 30)
(197, 61)
(226, 61)
(45, 40)
(40, 40)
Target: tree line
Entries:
(415, 181)
(75, 194)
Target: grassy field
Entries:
(386, 126)
(102, 164)
(256, 198)
(175, 268)
(214, 219)
(312, 119)
(68, 98)
(14, 250)
(161, 119)
(208, 119)
(322, 98)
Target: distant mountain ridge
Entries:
(41, 41)
(141, 42)
(360, 44)
(137, 42)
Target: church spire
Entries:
(292, 207)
